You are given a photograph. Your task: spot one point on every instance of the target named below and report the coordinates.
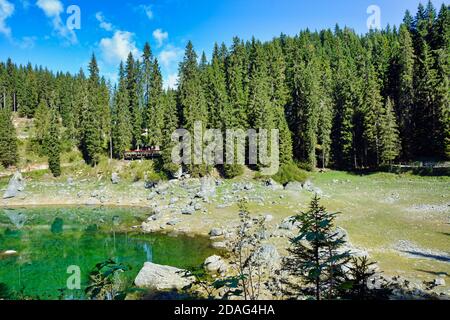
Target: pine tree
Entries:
(147, 71)
(8, 139)
(190, 93)
(91, 141)
(406, 89)
(132, 71)
(170, 124)
(372, 112)
(424, 108)
(303, 109)
(41, 128)
(279, 95)
(216, 93)
(155, 107)
(53, 144)
(315, 255)
(325, 121)
(122, 133)
(390, 145)
(237, 73)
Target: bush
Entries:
(290, 173)
(198, 171)
(232, 171)
(305, 166)
(142, 169)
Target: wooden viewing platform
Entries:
(147, 153)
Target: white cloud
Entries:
(147, 10)
(53, 10)
(27, 42)
(160, 36)
(6, 11)
(170, 55)
(171, 82)
(118, 47)
(103, 23)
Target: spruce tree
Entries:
(122, 133)
(91, 141)
(372, 113)
(405, 102)
(315, 256)
(132, 73)
(41, 127)
(325, 120)
(147, 71)
(8, 139)
(190, 93)
(53, 144)
(390, 145)
(155, 107)
(279, 95)
(237, 74)
(170, 124)
(192, 103)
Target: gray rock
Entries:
(219, 245)
(293, 186)
(268, 256)
(152, 195)
(174, 200)
(207, 188)
(189, 210)
(156, 277)
(19, 219)
(173, 222)
(439, 282)
(287, 224)
(95, 194)
(115, 179)
(273, 185)
(179, 174)
(215, 264)
(308, 186)
(216, 232)
(15, 186)
(248, 187)
(197, 207)
(70, 181)
(268, 218)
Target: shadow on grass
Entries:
(434, 273)
(428, 256)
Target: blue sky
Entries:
(36, 30)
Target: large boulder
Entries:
(294, 186)
(15, 186)
(215, 264)
(157, 278)
(115, 179)
(207, 188)
(216, 232)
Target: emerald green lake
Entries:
(48, 241)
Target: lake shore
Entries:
(381, 213)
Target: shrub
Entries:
(290, 173)
(198, 171)
(232, 171)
